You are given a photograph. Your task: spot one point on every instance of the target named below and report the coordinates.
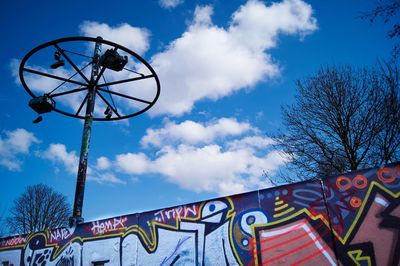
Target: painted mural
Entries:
(351, 219)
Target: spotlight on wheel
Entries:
(59, 62)
(112, 60)
(42, 104)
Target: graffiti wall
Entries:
(351, 219)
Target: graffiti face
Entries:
(351, 219)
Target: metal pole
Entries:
(87, 129)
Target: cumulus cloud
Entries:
(210, 62)
(12, 145)
(133, 163)
(105, 178)
(133, 38)
(58, 154)
(226, 156)
(103, 163)
(194, 132)
(170, 3)
(211, 168)
(250, 142)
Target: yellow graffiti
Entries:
(356, 256)
(277, 215)
(281, 207)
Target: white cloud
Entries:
(13, 144)
(257, 26)
(170, 3)
(58, 153)
(202, 17)
(133, 38)
(207, 168)
(103, 163)
(20, 140)
(105, 178)
(210, 168)
(193, 132)
(250, 142)
(210, 62)
(132, 163)
(226, 157)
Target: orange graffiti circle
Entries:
(360, 181)
(343, 182)
(355, 202)
(386, 175)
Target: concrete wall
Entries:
(352, 219)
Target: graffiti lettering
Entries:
(102, 227)
(179, 212)
(60, 234)
(14, 241)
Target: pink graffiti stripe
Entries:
(306, 233)
(297, 249)
(324, 248)
(297, 226)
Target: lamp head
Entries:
(112, 60)
(42, 104)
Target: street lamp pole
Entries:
(70, 52)
(87, 129)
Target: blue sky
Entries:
(225, 69)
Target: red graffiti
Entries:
(15, 241)
(388, 175)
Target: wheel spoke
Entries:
(125, 81)
(62, 83)
(124, 95)
(71, 63)
(133, 71)
(53, 76)
(108, 104)
(83, 55)
(67, 92)
(82, 104)
(111, 97)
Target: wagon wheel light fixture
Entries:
(87, 88)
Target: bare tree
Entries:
(37, 209)
(388, 11)
(388, 141)
(343, 119)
